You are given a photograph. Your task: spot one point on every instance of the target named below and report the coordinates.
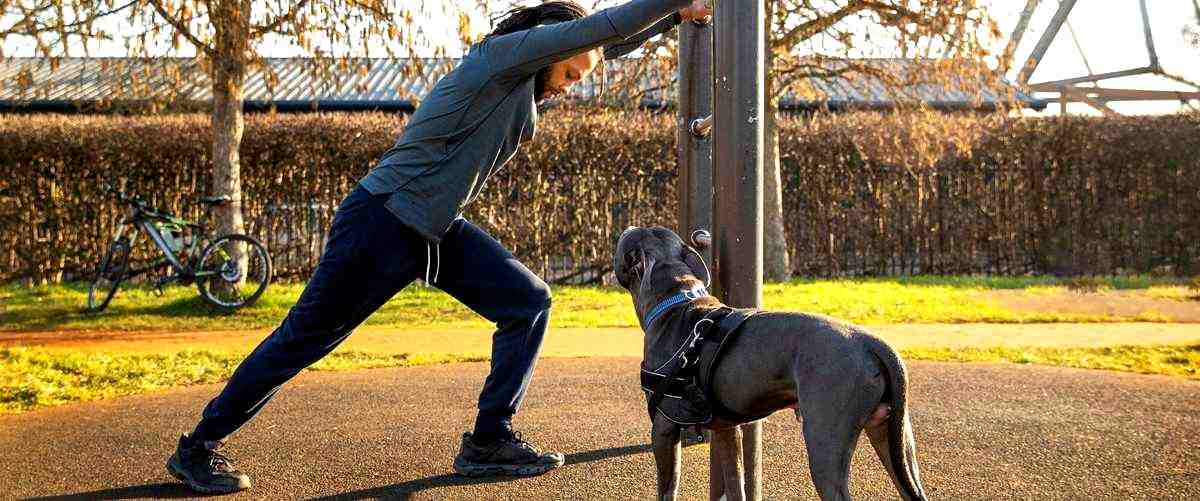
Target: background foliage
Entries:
(864, 194)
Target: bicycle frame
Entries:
(143, 219)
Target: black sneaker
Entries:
(508, 455)
(205, 470)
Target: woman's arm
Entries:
(631, 44)
(698, 12)
(523, 53)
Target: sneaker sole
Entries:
(492, 470)
(203, 489)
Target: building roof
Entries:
(299, 84)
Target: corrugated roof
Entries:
(395, 84)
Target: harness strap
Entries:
(725, 330)
(681, 370)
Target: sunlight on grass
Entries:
(1166, 360)
(32, 378)
(920, 299)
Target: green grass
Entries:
(1166, 360)
(922, 299)
(32, 378)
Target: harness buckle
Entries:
(695, 294)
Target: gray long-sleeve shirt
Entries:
(473, 120)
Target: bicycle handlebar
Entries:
(123, 198)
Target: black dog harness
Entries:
(681, 388)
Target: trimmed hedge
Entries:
(863, 193)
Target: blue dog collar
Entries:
(678, 298)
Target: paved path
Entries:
(985, 432)
(613, 341)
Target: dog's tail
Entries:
(901, 453)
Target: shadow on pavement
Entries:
(166, 490)
(405, 490)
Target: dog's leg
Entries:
(727, 448)
(665, 440)
(830, 440)
(833, 413)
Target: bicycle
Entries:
(231, 271)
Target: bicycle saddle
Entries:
(214, 200)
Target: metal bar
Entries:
(694, 152)
(1179, 79)
(1018, 33)
(1079, 48)
(1106, 94)
(752, 459)
(1081, 95)
(738, 139)
(1053, 85)
(1039, 50)
(1149, 36)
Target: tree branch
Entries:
(807, 30)
(279, 21)
(181, 28)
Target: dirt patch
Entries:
(1113, 303)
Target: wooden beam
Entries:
(1053, 85)
(1031, 64)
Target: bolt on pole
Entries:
(694, 152)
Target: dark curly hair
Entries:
(523, 18)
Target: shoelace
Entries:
(517, 440)
(218, 461)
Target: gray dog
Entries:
(839, 379)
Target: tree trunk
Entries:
(227, 128)
(776, 267)
(775, 249)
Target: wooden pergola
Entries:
(1070, 89)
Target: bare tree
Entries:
(838, 38)
(222, 40)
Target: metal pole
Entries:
(738, 141)
(1149, 38)
(1039, 50)
(694, 153)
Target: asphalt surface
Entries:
(985, 431)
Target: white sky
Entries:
(1110, 32)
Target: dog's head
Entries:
(651, 262)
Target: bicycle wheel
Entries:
(109, 273)
(227, 282)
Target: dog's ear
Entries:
(695, 262)
(626, 265)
